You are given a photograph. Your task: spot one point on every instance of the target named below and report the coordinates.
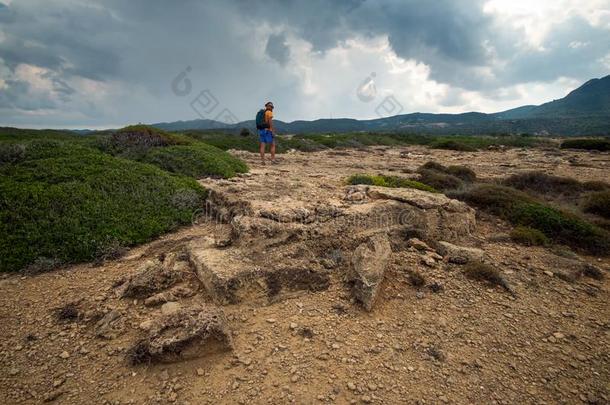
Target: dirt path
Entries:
(460, 342)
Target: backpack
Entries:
(260, 120)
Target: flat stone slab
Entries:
(231, 276)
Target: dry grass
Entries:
(480, 271)
(416, 279)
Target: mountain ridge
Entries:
(583, 111)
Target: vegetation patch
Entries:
(196, 160)
(598, 204)
(539, 182)
(463, 173)
(587, 144)
(528, 236)
(135, 141)
(64, 203)
(521, 209)
(389, 181)
(480, 271)
(451, 144)
(440, 180)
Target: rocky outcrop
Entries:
(369, 263)
(183, 334)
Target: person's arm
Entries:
(270, 120)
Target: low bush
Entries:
(440, 180)
(521, 209)
(389, 181)
(480, 271)
(197, 160)
(562, 227)
(66, 203)
(528, 236)
(542, 183)
(451, 144)
(461, 172)
(598, 204)
(586, 144)
(134, 141)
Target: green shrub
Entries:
(528, 236)
(587, 144)
(389, 181)
(521, 209)
(197, 160)
(68, 203)
(461, 172)
(134, 141)
(542, 183)
(495, 199)
(598, 204)
(431, 165)
(562, 227)
(451, 144)
(439, 180)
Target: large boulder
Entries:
(183, 334)
(369, 262)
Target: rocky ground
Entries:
(293, 287)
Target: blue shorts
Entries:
(265, 136)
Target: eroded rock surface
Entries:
(183, 334)
(369, 262)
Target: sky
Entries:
(110, 63)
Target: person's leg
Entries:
(262, 151)
(273, 150)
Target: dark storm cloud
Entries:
(139, 46)
(444, 34)
(277, 49)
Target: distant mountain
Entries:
(584, 111)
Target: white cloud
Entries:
(536, 18)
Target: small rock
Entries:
(418, 244)
(64, 355)
(170, 308)
(164, 376)
(271, 320)
(13, 371)
(293, 325)
(559, 335)
(548, 273)
(366, 399)
(235, 385)
(200, 372)
(351, 386)
(146, 325)
(53, 395)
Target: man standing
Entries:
(264, 124)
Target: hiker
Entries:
(264, 125)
